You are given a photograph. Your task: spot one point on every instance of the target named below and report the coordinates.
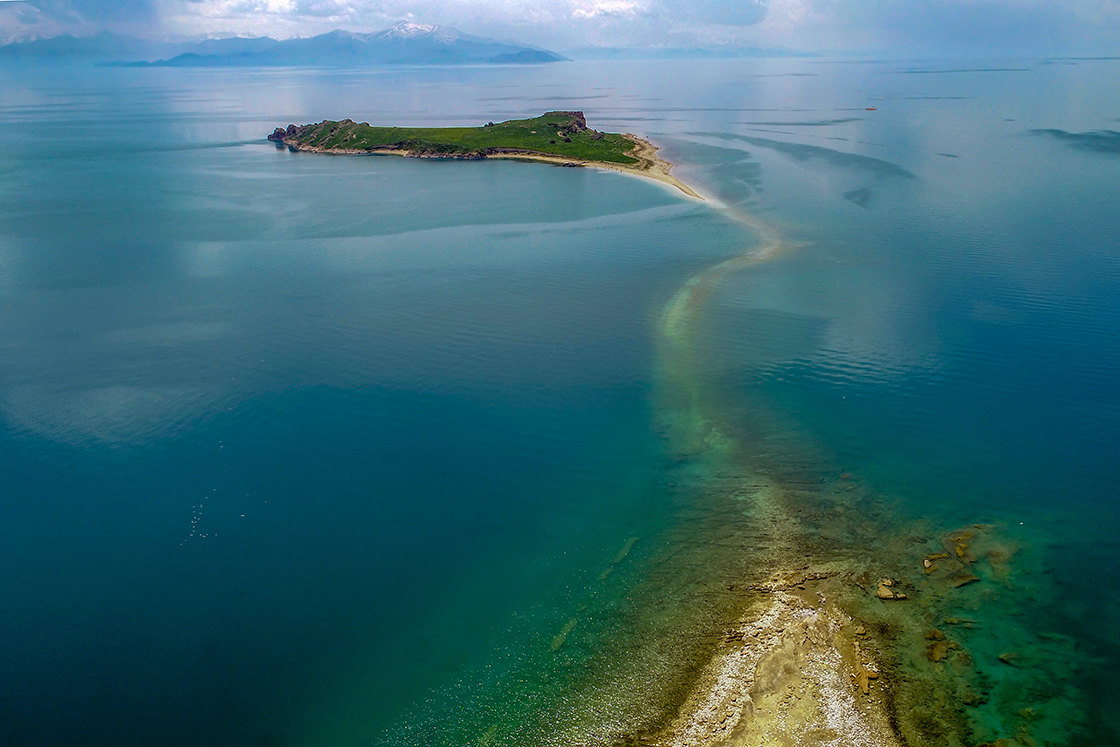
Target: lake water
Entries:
(308, 450)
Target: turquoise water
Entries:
(312, 450)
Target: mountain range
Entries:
(406, 43)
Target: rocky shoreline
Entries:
(839, 632)
(647, 163)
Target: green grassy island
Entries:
(555, 137)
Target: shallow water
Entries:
(309, 450)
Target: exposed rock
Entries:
(579, 122)
(958, 544)
(280, 134)
(928, 562)
(937, 650)
(884, 591)
(863, 679)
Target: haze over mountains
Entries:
(406, 43)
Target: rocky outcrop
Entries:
(886, 590)
(281, 135)
(579, 122)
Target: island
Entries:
(558, 137)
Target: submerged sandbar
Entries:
(560, 137)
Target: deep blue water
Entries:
(312, 450)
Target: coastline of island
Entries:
(651, 166)
(514, 140)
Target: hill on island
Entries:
(558, 134)
(403, 44)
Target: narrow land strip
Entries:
(818, 639)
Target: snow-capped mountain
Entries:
(407, 30)
(406, 43)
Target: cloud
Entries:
(901, 26)
(731, 12)
(51, 17)
(930, 26)
(612, 8)
(99, 11)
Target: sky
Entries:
(888, 26)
